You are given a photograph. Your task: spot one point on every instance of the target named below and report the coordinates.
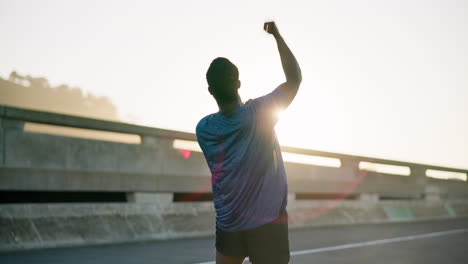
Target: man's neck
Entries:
(229, 108)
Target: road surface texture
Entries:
(442, 241)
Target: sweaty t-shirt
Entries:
(247, 172)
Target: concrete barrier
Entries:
(30, 226)
(151, 172)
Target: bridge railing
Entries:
(32, 161)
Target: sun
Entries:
(278, 114)
(287, 128)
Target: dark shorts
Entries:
(268, 243)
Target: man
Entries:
(248, 177)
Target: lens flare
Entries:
(185, 153)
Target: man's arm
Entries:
(288, 61)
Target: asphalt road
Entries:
(417, 242)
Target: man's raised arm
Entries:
(288, 61)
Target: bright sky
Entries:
(381, 78)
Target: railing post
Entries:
(419, 174)
(162, 199)
(148, 140)
(8, 126)
(430, 193)
(350, 163)
(12, 125)
(153, 141)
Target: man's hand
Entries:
(271, 28)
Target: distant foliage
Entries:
(36, 93)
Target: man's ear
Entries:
(238, 84)
(209, 90)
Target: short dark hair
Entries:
(222, 77)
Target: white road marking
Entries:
(371, 243)
(379, 242)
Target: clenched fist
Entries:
(271, 28)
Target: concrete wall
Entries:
(29, 226)
(151, 172)
(34, 161)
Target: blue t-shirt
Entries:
(247, 171)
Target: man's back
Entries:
(243, 154)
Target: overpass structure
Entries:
(68, 180)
